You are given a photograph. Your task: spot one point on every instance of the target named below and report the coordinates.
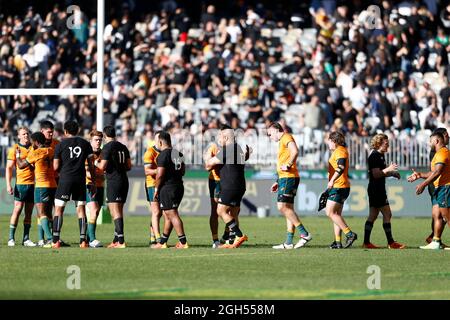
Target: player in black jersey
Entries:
(435, 214)
(378, 201)
(115, 162)
(231, 160)
(69, 161)
(169, 190)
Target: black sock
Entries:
(182, 239)
(432, 228)
(226, 235)
(82, 224)
(388, 231)
(367, 231)
(57, 224)
(164, 238)
(118, 223)
(116, 239)
(232, 237)
(232, 225)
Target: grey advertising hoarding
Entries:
(196, 200)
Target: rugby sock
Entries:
(436, 239)
(367, 231)
(157, 237)
(215, 237)
(12, 231)
(301, 230)
(182, 239)
(82, 226)
(232, 237)
(152, 236)
(337, 238)
(388, 231)
(45, 225)
(40, 230)
(118, 223)
(91, 230)
(116, 239)
(26, 231)
(226, 234)
(232, 225)
(57, 224)
(289, 237)
(347, 232)
(164, 238)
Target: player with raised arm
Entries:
(169, 190)
(440, 177)
(23, 189)
(69, 161)
(339, 189)
(94, 201)
(150, 170)
(286, 186)
(41, 158)
(115, 162)
(231, 159)
(376, 190)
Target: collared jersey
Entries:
(283, 157)
(99, 174)
(442, 156)
(23, 176)
(340, 153)
(214, 173)
(150, 159)
(42, 160)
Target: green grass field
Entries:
(254, 271)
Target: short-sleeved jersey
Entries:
(117, 155)
(42, 160)
(73, 152)
(442, 156)
(214, 173)
(23, 176)
(99, 174)
(283, 157)
(343, 180)
(232, 171)
(150, 157)
(376, 160)
(172, 160)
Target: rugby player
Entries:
(339, 189)
(434, 205)
(115, 162)
(376, 190)
(150, 170)
(169, 190)
(94, 201)
(440, 177)
(231, 159)
(23, 189)
(286, 186)
(69, 161)
(41, 158)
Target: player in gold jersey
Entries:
(286, 186)
(41, 158)
(23, 190)
(150, 170)
(440, 177)
(339, 189)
